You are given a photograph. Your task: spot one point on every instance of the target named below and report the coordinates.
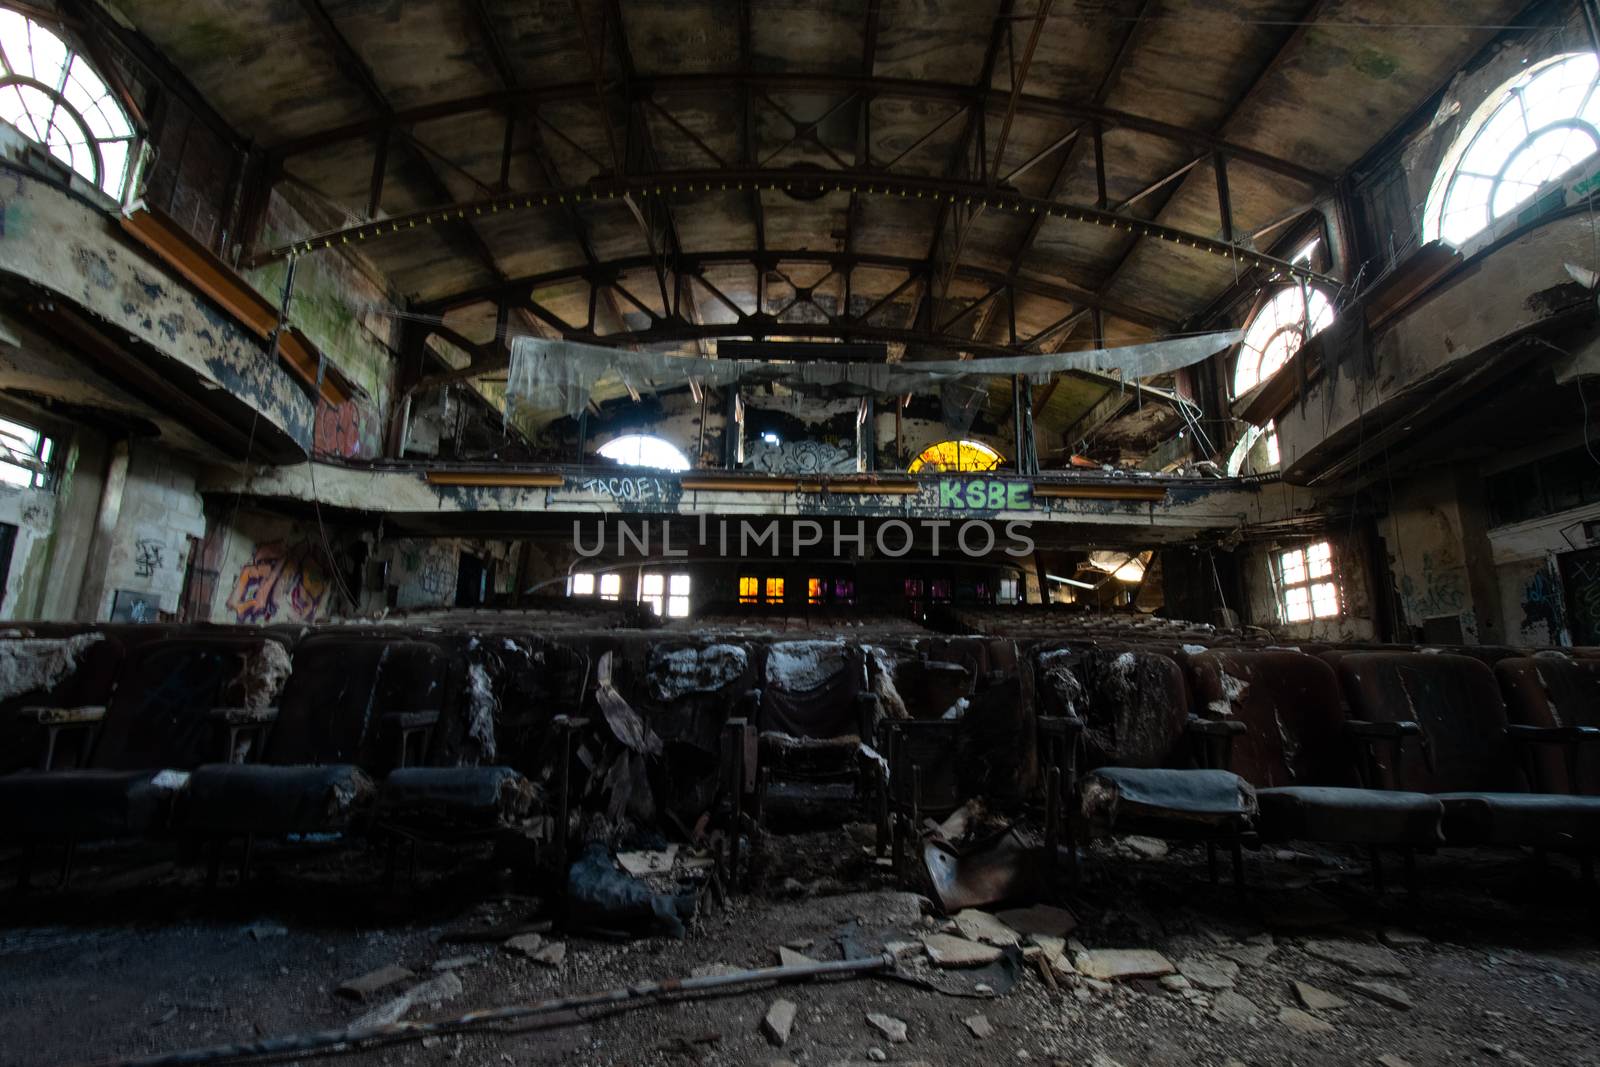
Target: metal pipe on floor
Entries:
(638, 994)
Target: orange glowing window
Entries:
(957, 456)
(775, 590)
(816, 590)
(749, 589)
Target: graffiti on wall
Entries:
(1436, 591)
(802, 457)
(147, 557)
(984, 494)
(1541, 604)
(430, 575)
(342, 430)
(281, 583)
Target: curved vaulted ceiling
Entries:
(976, 174)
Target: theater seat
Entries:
(452, 797)
(1467, 756)
(1204, 798)
(1539, 820)
(1340, 815)
(1556, 692)
(87, 805)
(227, 799)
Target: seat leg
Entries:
(66, 863)
(1052, 825)
(51, 733)
(1376, 859)
(249, 854)
(1238, 864)
(214, 865)
(882, 844)
(1211, 862)
(1409, 856)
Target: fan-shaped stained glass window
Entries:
(51, 94)
(1277, 332)
(957, 456)
(1536, 128)
(642, 450)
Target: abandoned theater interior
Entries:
(799, 532)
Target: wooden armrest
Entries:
(1382, 731)
(1553, 735)
(1215, 727)
(1060, 725)
(410, 720)
(87, 715)
(235, 716)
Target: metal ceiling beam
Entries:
(681, 182)
(731, 84)
(1220, 155)
(478, 16)
(355, 68)
(694, 263)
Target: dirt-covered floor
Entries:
(1495, 962)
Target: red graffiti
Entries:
(340, 429)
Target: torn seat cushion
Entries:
(87, 805)
(1198, 798)
(1350, 816)
(232, 798)
(1290, 707)
(476, 795)
(1546, 820)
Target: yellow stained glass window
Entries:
(957, 456)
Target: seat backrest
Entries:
(1136, 705)
(159, 716)
(1555, 691)
(1289, 705)
(1455, 700)
(333, 707)
(59, 671)
(809, 688)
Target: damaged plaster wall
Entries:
(273, 570)
(1259, 566)
(351, 318)
(1428, 559)
(150, 515)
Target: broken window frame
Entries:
(26, 453)
(51, 94)
(1308, 570)
(1478, 165)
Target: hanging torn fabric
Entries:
(564, 375)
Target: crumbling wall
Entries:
(1259, 564)
(157, 511)
(350, 316)
(1427, 557)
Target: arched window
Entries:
(957, 456)
(642, 450)
(1536, 128)
(51, 95)
(1277, 332)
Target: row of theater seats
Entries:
(1386, 747)
(212, 733)
(455, 727)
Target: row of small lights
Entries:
(513, 203)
